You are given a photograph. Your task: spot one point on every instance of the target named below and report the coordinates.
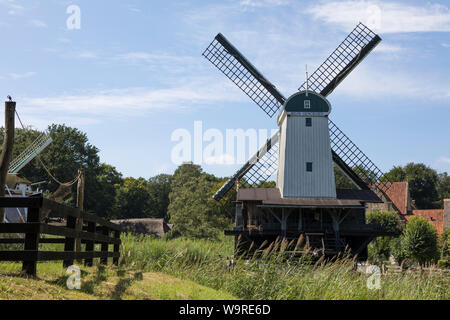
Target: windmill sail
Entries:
(355, 47)
(222, 54)
(347, 156)
(29, 153)
(259, 168)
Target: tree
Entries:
(380, 248)
(342, 181)
(443, 188)
(132, 199)
(108, 181)
(159, 188)
(192, 209)
(423, 182)
(420, 240)
(444, 248)
(267, 184)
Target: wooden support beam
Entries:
(300, 222)
(70, 242)
(31, 242)
(105, 246)
(80, 203)
(274, 214)
(90, 244)
(8, 144)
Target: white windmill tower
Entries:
(305, 164)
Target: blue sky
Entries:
(133, 73)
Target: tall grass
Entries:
(274, 273)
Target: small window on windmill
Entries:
(307, 104)
(309, 166)
(308, 122)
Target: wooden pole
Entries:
(80, 203)
(8, 143)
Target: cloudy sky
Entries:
(133, 73)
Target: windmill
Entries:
(302, 154)
(16, 186)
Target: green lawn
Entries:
(99, 283)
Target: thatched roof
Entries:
(156, 227)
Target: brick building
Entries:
(402, 203)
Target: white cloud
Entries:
(153, 58)
(17, 76)
(264, 3)
(371, 82)
(64, 40)
(38, 23)
(223, 159)
(384, 17)
(13, 7)
(444, 160)
(388, 48)
(93, 107)
(446, 45)
(87, 55)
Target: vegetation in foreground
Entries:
(178, 268)
(99, 283)
(275, 274)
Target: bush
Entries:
(444, 244)
(380, 248)
(419, 240)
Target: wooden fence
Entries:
(95, 230)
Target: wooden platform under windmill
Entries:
(328, 225)
(302, 155)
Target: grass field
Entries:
(100, 282)
(197, 269)
(273, 276)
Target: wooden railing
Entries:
(95, 230)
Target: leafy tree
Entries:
(132, 199)
(192, 209)
(398, 250)
(443, 188)
(444, 246)
(159, 188)
(108, 182)
(445, 242)
(380, 248)
(267, 184)
(420, 240)
(342, 182)
(423, 182)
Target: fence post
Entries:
(32, 242)
(105, 245)
(116, 247)
(90, 244)
(69, 245)
(8, 144)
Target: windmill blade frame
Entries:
(36, 147)
(352, 50)
(267, 154)
(225, 57)
(349, 157)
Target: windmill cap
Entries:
(311, 103)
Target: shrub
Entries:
(380, 248)
(444, 244)
(419, 240)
